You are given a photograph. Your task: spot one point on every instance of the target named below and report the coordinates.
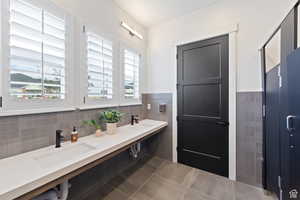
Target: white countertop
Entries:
(25, 172)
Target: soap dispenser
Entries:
(74, 135)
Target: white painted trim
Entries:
(35, 111)
(1, 52)
(91, 107)
(62, 109)
(251, 90)
(232, 30)
(131, 104)
(232, 103)
(158, 92)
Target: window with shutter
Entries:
(131, 74)
(37, 53)
(99, 66)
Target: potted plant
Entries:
(96, 125)
(111, 118)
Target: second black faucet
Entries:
(59, 138)
(134, 119)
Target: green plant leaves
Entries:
(111, 116)
(92, 123)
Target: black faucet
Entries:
(59, 138)
(134, 119)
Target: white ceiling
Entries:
(153, 12)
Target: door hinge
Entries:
(1, 102)
(280, 82)
(177, 86)
(279, 77)
(264, 110)
(83, 29)
(279, 182)
(84, 100)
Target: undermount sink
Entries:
(145, 124)
(142, 126)
(62, 154)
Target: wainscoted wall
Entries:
(162, 144)
(249, 138)
(20, 134)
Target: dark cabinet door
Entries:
(203, 105)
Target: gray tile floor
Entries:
(157, 179)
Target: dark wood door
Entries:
(203, 104)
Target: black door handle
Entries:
(222, 123)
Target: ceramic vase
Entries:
(111, 128)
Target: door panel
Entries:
(288, 45)
(203, 105)
(208, 100)
(293, 84)
(208, 133)
(202, 62)
(272, 129)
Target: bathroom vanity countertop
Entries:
(26, 172)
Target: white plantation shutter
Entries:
(131, 74)
(37, 52)
(99, 67)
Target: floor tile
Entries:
(156, 179)
(158, 188)
(174, 172)
(124, 185)
(154, 162)
(140, 196)
(213, 186)
(247, 192)
(191, 194)
(138, 175)
(106, 192)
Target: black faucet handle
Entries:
(59, 138)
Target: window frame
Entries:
(129, 101)
(10, 103)
(87, 102)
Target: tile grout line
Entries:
(142, 185)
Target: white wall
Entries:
(104, 16)
(257, 19)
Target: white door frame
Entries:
(232, 31)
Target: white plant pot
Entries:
(111, 128)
